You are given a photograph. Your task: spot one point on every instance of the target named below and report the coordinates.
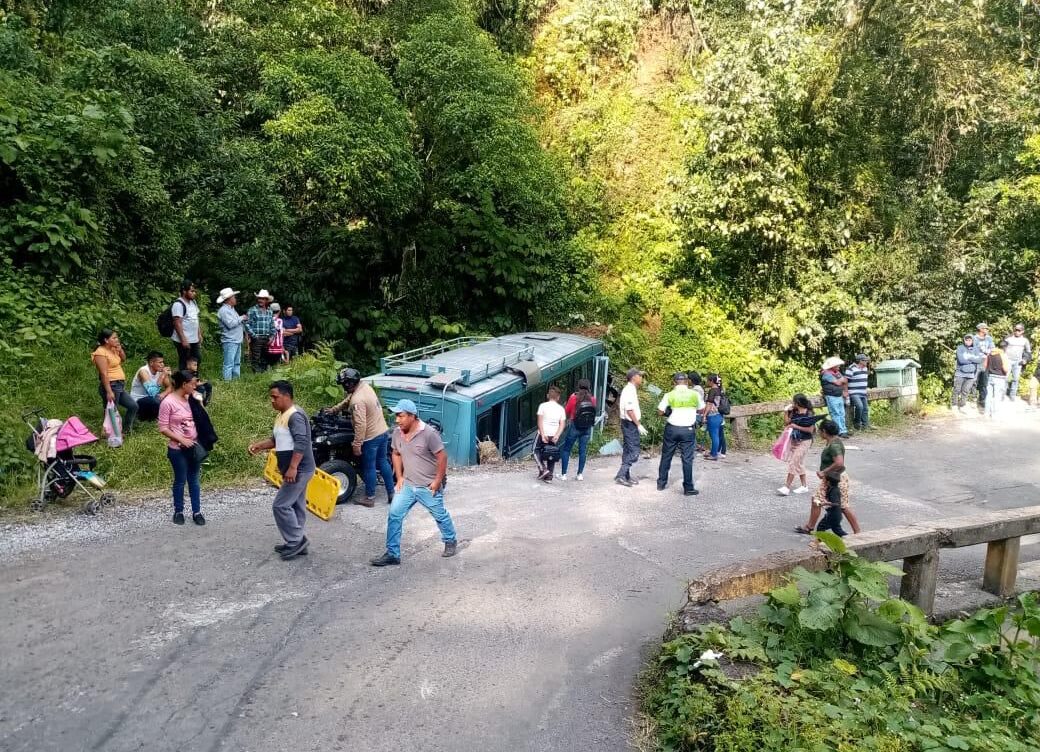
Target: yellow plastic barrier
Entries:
(322, 491)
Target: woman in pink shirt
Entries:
(177, 424)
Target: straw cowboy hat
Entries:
(264, 294)
(226, 293)
(832, 362)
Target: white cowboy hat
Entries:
(226, 293)
(264, 294)
(832, 362)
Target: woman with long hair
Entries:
(802, 420)
(177, 423)
(108, 358)
(581, 417)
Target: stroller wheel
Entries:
(92, 507)
(107, 498)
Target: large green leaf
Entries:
(820, 617)
(867, 628)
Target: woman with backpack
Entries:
(716, 408)
(581, 413)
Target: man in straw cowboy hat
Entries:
(834, 384)
(260, 326)
(231, 333)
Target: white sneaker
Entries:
(561, 476)
(579, 476)
(801, 490)
(783, 490)
(722, 455)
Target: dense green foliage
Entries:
(832, 662)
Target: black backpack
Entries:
(724, 405)
(164, 321)
(585, 415)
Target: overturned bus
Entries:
(489, 388)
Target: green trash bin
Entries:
(899, 373)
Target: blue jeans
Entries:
(1013, 377)
(185, 470)
(860, 410)
(717, 433)
(582, 438)
(836, 407)
(373, 460)
(402, 504)
(232, 360)
(996, 392)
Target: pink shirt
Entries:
(175, 415)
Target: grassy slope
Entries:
(67, 385)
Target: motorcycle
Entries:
(332, 438)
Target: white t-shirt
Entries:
(553, 416)
(188, 311)
(629, 401)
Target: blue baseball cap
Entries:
(405, 406)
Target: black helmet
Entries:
(348, 377)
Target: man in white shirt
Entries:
(187, 335)
(551, 421)
(1018, 353)
(631, 427)
(680, 408)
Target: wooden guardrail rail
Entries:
(899, 396)
(917, 545)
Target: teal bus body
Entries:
(500, 407)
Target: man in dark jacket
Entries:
(968, 359)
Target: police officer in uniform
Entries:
(680, 407)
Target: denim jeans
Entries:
(683, 438)
(185, 470)
(836, 407)
(629, 449)
(860, 410)
(1013, 377)
(981, 384)
(717, 433)
(402, 504)
(122, 397)
(374, 461)
(232, 360)
(996, 392)
(582, 438)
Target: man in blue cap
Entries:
(420, 466)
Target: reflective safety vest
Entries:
(684, 404)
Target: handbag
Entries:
(782, 445)
(199, 452)
(113, 425)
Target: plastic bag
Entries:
(113, 425)
(611, 448)
(782, 446)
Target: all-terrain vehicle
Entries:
(332, 437)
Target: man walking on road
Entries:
(983, 345)
(370, 429)
(1018, 353)
(187, 334)
(680, 407)
(420, 464)
(631, 427)
(291, 442)
(260, 327)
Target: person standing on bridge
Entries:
(680, 408)
(631, 427)
(421, 467)
(291, 442)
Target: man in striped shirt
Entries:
(856, 373)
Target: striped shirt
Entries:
(857, 379)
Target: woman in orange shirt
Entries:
(108, 359)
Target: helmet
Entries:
(348, 377)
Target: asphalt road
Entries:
(128, 633)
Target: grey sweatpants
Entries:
(962, 386)
(290, 508)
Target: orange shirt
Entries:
(115, 365)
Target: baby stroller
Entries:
(60, 471)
